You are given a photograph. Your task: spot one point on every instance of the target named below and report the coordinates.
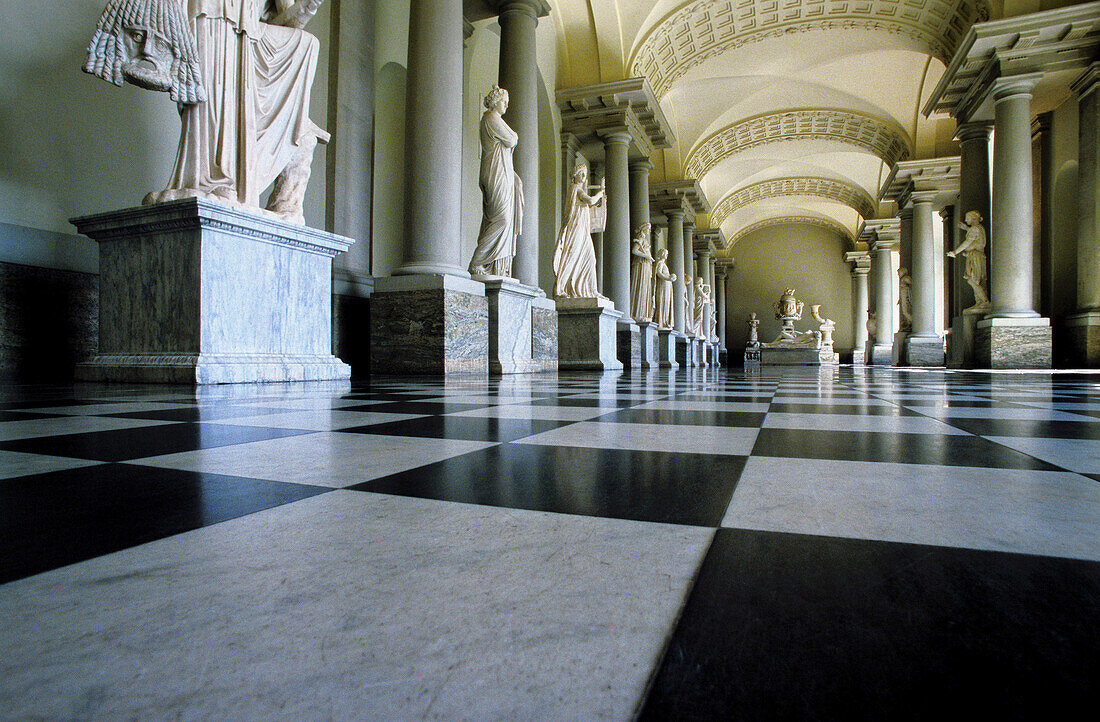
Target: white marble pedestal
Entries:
(897, 351)
(880, 354)
(523, 328)
(1013, 343)
(648, 335)
(1084, 337)
(588, 334)
(197, 292)
(667, 344)
(924, 351)
(790, 356)
(429, 325)
(698, 357)
(859, 356)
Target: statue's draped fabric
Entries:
(700, 304)
(641, 281)
(663, 295)
(258, 77)
(574, 255)
(502, 198)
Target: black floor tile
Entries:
(144, 441)
(935, 449)
(421, 407)
(640, 485)
(586, 403)
(44, 403)
(25, 416)
(213, 412)
(470, 428)
(51, 520)
(1027, 427)
(686, 418)
(792, 627)
(855, 409)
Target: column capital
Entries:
(974, 130)
(906, 211)
(569, 141)
(1087, 81)
(1042, 123)
(675, 215)
(860, 260)
(1014, 86)
(534, 8)
(615, 136)
(922, 197)
(947, 213)
(641, 165)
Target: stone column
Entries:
(924, 346)
(676, 265)
(433, 155)
(973, 190)
(616, 257)
(519, 76)
(689, 268)
(712, 276)
(883, 346)
(639, 193)
(860, 306)
(597, 238)
(1084, 326)
(569, 159)
(1012, 335)
(721, 295)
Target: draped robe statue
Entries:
(641, 275)
(973, 249)
(689, 315)
(574, 254)
(502, 192)
(700, 306)
(664, 291)
(245, 106)
(905, 298)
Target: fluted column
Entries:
(519, 76)
(1013, 242)
(616, 258)
(433, 155)
(676, 260)
(639, 192)
(973, 190)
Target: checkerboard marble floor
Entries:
(849, 544)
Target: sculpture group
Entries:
(788, 309)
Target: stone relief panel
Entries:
(834, 190)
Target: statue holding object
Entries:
(973, 249)
(641, 275)
(502, 192)
(241, 72)
(663, 296)
(574, 254)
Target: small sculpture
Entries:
(827, 326)
(502, 192)
(872, 325)
(973, 248)
(574, 255)
(788, 309)
(689, 318)
(754, 330)
(713, 326)
(241, 72)
(641, 275)
(905, 298)
(663, 295)
(701, 293)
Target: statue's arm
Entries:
(295, 13)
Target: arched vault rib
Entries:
(790, 220)
(704, 28)
(873, 135)
(834, 190)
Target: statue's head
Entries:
(973, 218)
(662, 254)
(699, 282)
(580, 173)
(643, 230)
(147, 43)
(497, 98)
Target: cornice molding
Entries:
(834, 190)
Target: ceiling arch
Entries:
(877, 137)
(828, 188)
(822, 222)
(702, 29)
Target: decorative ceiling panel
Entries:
(827, 188)
(793, 220)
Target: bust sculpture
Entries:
(574, 254)
(663, 293)
(641, 275)
(972, 247)
(241, 72)
(905, 298)
(502, 192)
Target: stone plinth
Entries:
(648, 335)
(588, 334)
(1084, 337)
(683, 350)
(1013, 343)
(712, 354)
(790, 356)
(924, 351)
(429, 324)
(859, 356)
(196, 292)
(880, 354)
(960, 344)
(629, 344)
(668, 343)
(897, 352)
(752, 355)
(514, 326)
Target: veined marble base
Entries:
(197, 292)
(629, 344)
(712, 354)
(518, 314)
(683, 350)
(651, 354)
(667, 345)
(859, 356)
(790, 356)
(698, 353)
(960, 344)
(1013, 343)
(588, 334)
(897, 352)
(429, 325)
(924, 351)
(1084, 336)
(880, 354)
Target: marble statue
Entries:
(713, 324)
(641, 275)
(872, 324)
(689, 316)
(574, 255)
(826, 327)
(754, 330)
(788, 309)
(905, 298)
(972, 247)
(701, 293)
(663, 280)
(241, 72)
(502, 192)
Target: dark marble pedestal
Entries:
(588, 334)
(1013, 343)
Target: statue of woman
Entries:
(574, 255)
(973, 247)
(663, 301)
(502, 192)
(689, 318)
(641, 275)
(701, 293)
(905, 298)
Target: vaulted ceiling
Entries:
(783, 110)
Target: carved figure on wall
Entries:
(502, 192)
(574, 254)
(826, 327)
(905, 298)
(701, 293)
(241, 72)
(972, 247)
(641, 275)
(754, 330)
(664, 290)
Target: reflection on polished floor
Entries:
(856, 544)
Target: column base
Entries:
(667, 344)
(1013, 343)
(859, 356)
(683, 349)
(588, 335)
(523, 328)
(960, 344)
(898, 350)
(698, 356)
(880, 354)
(924, 351)
(429, 325)
(629, 344)
(712, 353)
(1083, 330)
(651, 356)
